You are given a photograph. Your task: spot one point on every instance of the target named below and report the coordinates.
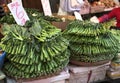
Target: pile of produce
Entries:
(105, 3)
(90, 42)
(116, 33)
(35, 50)
(32, 14)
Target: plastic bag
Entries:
(2, 56)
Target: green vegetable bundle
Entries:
(90, 42)
(36, 51)
(32, 14)
(116, 33)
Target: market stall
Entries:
(58, 48)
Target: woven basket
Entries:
(20, 80)
(87, 64)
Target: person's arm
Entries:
(104, 18)
(108, 16)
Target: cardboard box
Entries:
(87, 74)
(66, 20)
(61, 25)
(113, 73)
(115, 66)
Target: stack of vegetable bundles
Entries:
(34, 50)
(90, 42)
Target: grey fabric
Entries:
(66, 5)
(10, 80)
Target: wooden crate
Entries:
(97, 9)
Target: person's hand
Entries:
(114, 23)
(94, 19)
